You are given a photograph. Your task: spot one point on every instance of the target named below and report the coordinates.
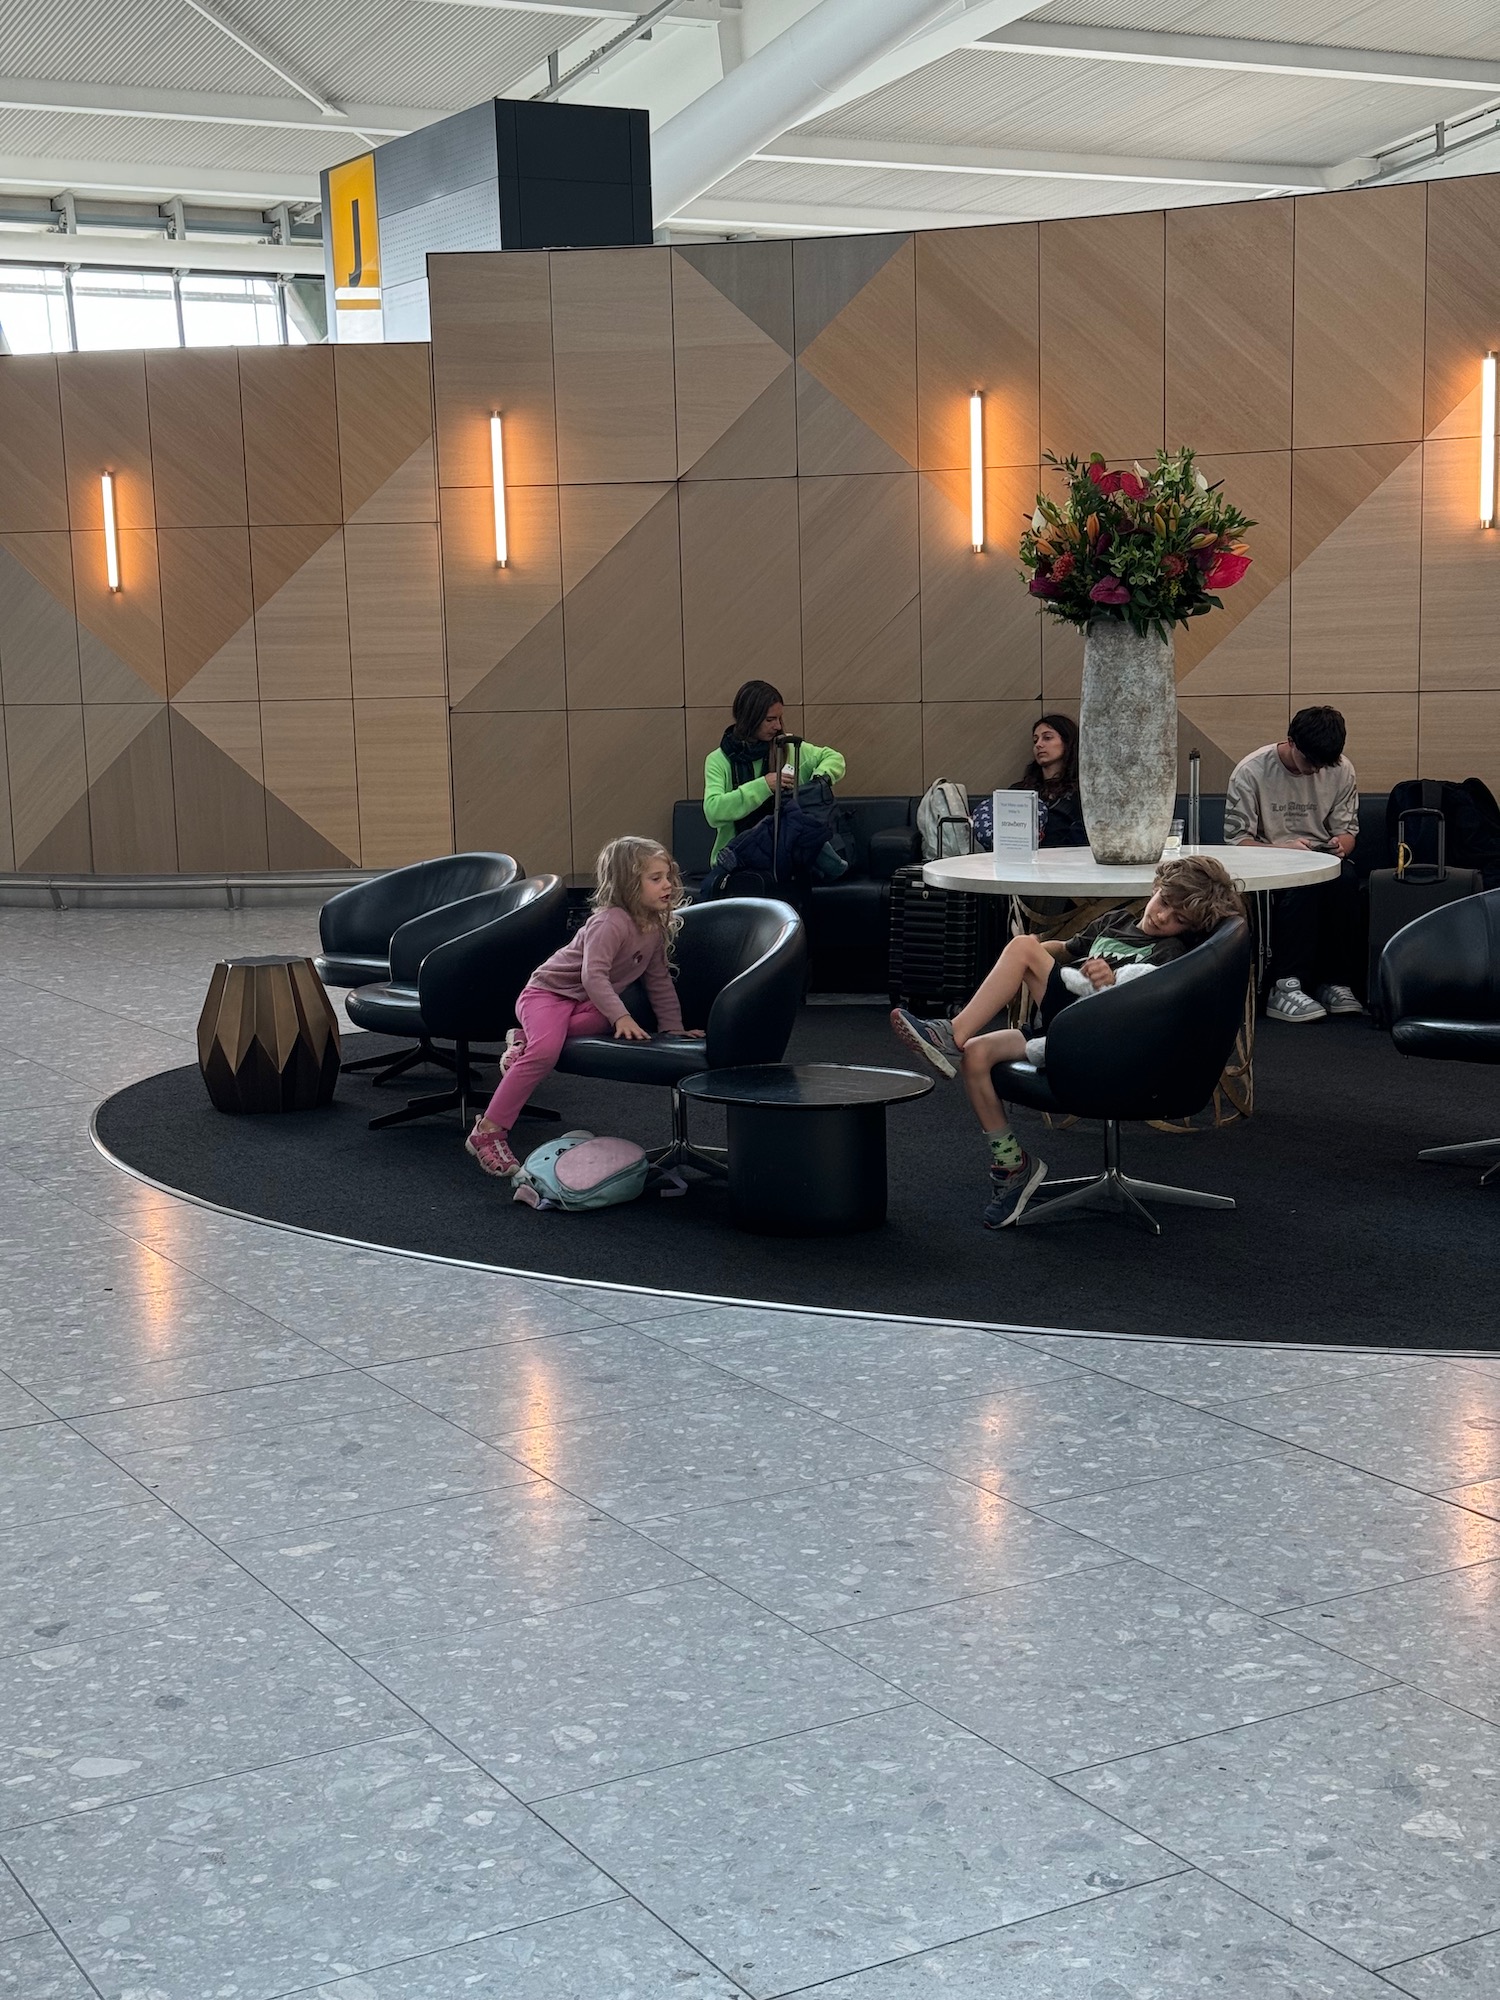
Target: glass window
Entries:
(33, 309)
(124, 309)
(230, 312)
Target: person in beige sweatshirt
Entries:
(1302, 792)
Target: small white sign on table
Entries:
(1016, 822)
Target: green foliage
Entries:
(1151, 546)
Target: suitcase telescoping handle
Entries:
(956, 819)
(1405, 870)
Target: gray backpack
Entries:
(941, 802)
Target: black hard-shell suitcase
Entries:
(1409, 890)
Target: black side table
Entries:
(806, 1142)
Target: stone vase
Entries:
(1127, 741)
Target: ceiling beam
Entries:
(891, 156)
(711, 11)
(237, 186)
(1226, 52)
(206, 107)
(760, 215)
(155, 253)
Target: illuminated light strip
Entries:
(497, 481)
(111, 536)
(976, 472)
(1487, 442)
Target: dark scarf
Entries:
(741, 756)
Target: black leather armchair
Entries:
(455, 976)
(357, 925)
(1154, 1048)
(741, 964)
(1440, 987)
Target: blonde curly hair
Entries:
(617, 879)
(1198, 889)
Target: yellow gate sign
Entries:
(354, 231)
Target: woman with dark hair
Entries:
(736, 791)
(1053, 775)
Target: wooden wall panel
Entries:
(405, 807)
(302, 629)
(1246, 647)
(860, 579)
(129, 661)
(626, 767)
(492, 350)
(980, 629)
(1359, 309)
(881, 742)
(1459, 736)
(7, 844)
(106, 429)
(503, 626)
(217, 770)
(1460, 574)
(1229, 327)
(622, 611)
(612, 357)
(131, 811)
(291, 436)
(207, 612)
(49, 805)
(1103, 354)
(985, 745)
(1225, 728)
(384, 407)
(197, 439)
(1463, 308)
(1356, 589)
(741, 615)
(857, 383)
(978, 328)
(38, 631)
(33, 482)
(510, 788)
(732, 347)
(395, 609)
(1382, 733)
(310, 767)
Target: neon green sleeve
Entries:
(818, 763)
(721, 806)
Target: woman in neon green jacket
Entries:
(735, 793)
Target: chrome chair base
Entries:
(1113, 1192)
(1470, 1149)
(682, 1152)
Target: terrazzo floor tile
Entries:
(840, 1848)
(494, 1390)
(276, 1880)
(606, 1690)
(37, 1968)
(18, 1914)
(1463, 1972)
(47, 1471)
(17, 1408)
(260, 1482)
(337, 1392)
(459, 1566)
(1438, 1634)
(237, 1362)
(850, 1549)
(1184, 1939)
(1053, 1440)
(1371, 1823)
(1483, 1497)
(848, 1367)
(1208, 1373)
(1088, 1667)
(705, 1450)
(1284, 1531)
(87, 1725)
(623, 1307)
(1432, 1427)
(617, 1951)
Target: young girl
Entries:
(577, 991)
(1189, 898)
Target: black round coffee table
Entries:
(806, 1142)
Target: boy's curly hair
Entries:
(1200, 890)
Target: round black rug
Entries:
(1339, 1236)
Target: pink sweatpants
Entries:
(547, 1020)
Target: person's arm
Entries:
(601, 941)
(820, 763)
(721, 806)
(1343, 817)
(1241, 811)
(662, 990)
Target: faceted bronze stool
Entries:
(268, 1038)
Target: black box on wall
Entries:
(507, 174)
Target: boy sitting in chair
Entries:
(1189, 897)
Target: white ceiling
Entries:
(1078, 108)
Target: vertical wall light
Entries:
(1487, 442)
(976, 472)
(497, 482)
(111, 534)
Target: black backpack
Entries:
(1471, 815)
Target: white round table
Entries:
(1073, 871)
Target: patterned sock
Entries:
(1006, 1150)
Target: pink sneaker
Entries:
(492, 1150)
(515, 1045)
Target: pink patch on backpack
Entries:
(587, 1165)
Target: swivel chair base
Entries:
(394, 1066)
(1471, 1149)
(682, 1152)
(469, 1097)
(1112, 1191)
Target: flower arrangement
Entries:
(1151, 547)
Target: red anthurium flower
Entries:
(1228, 568)
(1173, 565)
(1131, 487)
(1043, 586)
(1110, 590)
(1107, 482)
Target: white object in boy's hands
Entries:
(1077, 980)
(1016, 822)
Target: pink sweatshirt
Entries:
(608, 953)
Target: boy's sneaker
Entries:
(1010, 1190)
(492, 1150)
(932, 1040)
(1288, 1002)
(1338, 999)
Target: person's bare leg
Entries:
(979, 1057)
(1026, 962)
